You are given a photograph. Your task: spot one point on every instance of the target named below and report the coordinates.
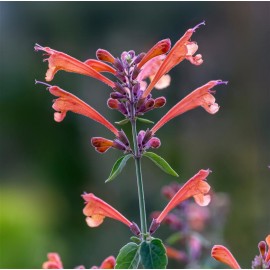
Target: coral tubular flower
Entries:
(195, 187)
(176, 254)
(54, 262)
(262, 261)
(100, 66)
(68, 102)
(108, 263)
(181, 50)
(96, 210)
(222, 254)
(162, 47)
(61, 61)
(200, 97)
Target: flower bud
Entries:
(138, 58)
(119, 88)
(140, 138)
(122, 109)
(154, 143)
(104, 55)
(154, 226)
(119, 145)
(136, 89)
(118, 64)
(147, 136)
(123, 137)
(160, 102)
(135, 229)
(149, 103)
(116, 95)
(135, 73)
(113, 103)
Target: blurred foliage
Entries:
(45, 166)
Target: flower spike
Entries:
(182, 49)
(195, 187)
(96, 210)
(200, 97)
(222, 254)
(68, 102)
(61, 61)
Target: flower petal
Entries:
(267, 239)
(108, 263)
(177, 54)
(162, 47)
(61, 61)
(200, 97)
(68, 102)
(222, 254)
(195, 187)
(100, 66)
(96, 210)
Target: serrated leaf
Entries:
(128, 257)
(146, 121)
(161, 163)
(122, 122)
(135, 239)
(118, 167)
(153, 254)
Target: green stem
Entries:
(137, 158)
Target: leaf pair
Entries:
(159, 161)
(151, 254)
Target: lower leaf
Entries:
(128, 257)
(153, 254)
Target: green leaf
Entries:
(153, 254)
(146, 121)
(161, 163)
(128, 257)
(135, 239)
(122, 122)
(118, 167)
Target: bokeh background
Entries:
(45, 166)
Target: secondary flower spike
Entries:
(200, 97)
(54, 262)
(96, 210)
(68, 102)
(61, 61)
(222, 254)
(195, 187)
(183, 49)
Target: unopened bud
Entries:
(119, 88)
(154, 142)
(135, 73)
(118, 64)
(262, 247)
(147, 136)
(140, 138)
(136, 89)
(119, 145)
(113, 103)
(104, 55)
(123, 137)
(160, 102)
(139, 58)
(149, 103)
(116, 95)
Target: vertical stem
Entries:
(139, 179)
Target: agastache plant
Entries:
(136, 75)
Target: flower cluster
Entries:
(136, 75)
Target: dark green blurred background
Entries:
(45, 166)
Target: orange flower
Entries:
(68, 102)
(61, 61)
(96, 210)
(195, 187)
(162, 47)
(100, 66)
(54, 262)
(200, 97)
(175, 254)
(183, 49)
(108, 263)
(222, 254)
